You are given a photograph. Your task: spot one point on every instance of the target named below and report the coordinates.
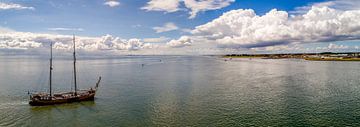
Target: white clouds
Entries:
(65, 29)
(162, 5)
(233, 31)
(170, 27)
(345, 4)
(24, 40)
(307, 48)
(18, 44)
(33, 42)
(195, 6)
(112, 3)
(181, 42)
(332, 47)
(243, 28)
(132, 44)
(108, 44)
(8, 6)
(156, 40)
(167, 27)
(336, 4)
(8, 40)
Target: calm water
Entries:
(186, 91)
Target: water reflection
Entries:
(56, 115)
(188, 91)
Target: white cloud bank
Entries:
(181, 42)
(25, 40)
(8, 6)
(112, 3)
(244, 29)
(195, 6)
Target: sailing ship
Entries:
(42, 98)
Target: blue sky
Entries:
(127, 19)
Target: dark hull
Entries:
(54, 101)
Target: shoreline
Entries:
(308, 59)
(332, 59)
(326, 56)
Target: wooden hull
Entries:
(62, 98)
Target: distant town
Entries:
(324, 56)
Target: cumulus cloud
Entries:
(65, 29)
(162, 5)
(181, 42)
(195, 6)
(25, 40)
(7, 43)
(112, 3)
(167, 27)
(336, 4)
(8, 6)
(245, 29)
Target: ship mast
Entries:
(51, 68)
(74, 67)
